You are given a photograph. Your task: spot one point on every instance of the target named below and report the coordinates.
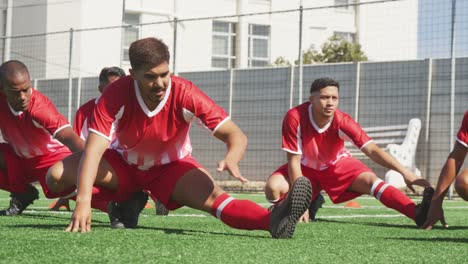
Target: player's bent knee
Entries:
(461, 185)
(275, 187)
(54, 177)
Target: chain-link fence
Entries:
(416, 67)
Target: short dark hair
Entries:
(12, 67)
(322, 83)
(109, 71)
(148, 52)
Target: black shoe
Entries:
(286, 213)
(315, 205)
(130, 210)
(113, 211)
(160, 208)
(19, 201)
(423, 208)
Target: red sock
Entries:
(393, 198)
(240, 214)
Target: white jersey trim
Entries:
(220, 208)
(60, 129)
(292, 152)
(463, 143)
(221, 123)
(161, 104)
(311, 118)
(99, 133)
(365, 144)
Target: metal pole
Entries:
(301, 13)
(174, 52)
(452, 86)
(428, 118)
(231, 88)
(8, 21)
(358, 90)
(291, 89)
(78, 92)
(70, 75)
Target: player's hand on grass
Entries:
(435, 214)
(232, 168)
(305, 218)
(81, 218)
(417, 181)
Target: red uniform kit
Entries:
(325, 161)
(462, 136)
(31, 147)
(82, 116)
(152, 149)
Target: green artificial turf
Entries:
(371, 234)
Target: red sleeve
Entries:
(353, 131)
(110, 103)
(79, 120)
(198, 104)
(291, 132)
(462, 135)
(45, 114)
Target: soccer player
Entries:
(448, 174)
(80, 125)
(36, 135)
(150, 112)
(313, 136)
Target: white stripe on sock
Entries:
(221, 207)
(376, 183)
(381, 191)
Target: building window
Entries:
(348, 36)
(344, 4)
(259, 48)
(131, 32)
(224, 45)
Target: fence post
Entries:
(174, 52)
(8, 26)
(427, 155)
(301, 13)
(358, 90)
(78, 91)
(231, 88)
(291, 88)
(452, 87)
(70, 75)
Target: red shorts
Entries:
(22, 171)
(335, 180)
(159, 180)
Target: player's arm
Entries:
(384, 159)
(95, 147)
(69, 138)
(236, 143)
(294, 167)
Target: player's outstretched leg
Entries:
(286, 213)
(125, 214)
(19, 201)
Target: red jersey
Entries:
(147, 138)
(82, 116)
(320, 147)
(31, 133)
(462, 136)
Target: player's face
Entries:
(153, 82)
(18, 91)
(325, 101)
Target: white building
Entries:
(227, 41)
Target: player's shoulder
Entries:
(465, 116)
(342, 118)
(39, 101)
(90, 104)
(299, 109)
(120, 90)
(182, 85)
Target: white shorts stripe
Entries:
(381, 191)
(221, 207)
(376, 183)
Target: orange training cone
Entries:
(352, 204)
(148, 206)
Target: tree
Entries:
(336, 49)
